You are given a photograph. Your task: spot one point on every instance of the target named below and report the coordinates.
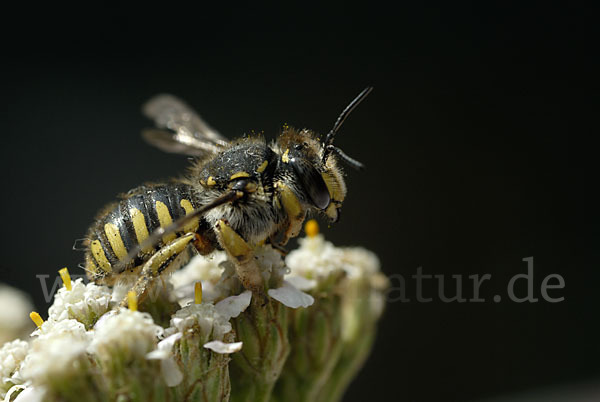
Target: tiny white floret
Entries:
(31, 394)
(222, 347)
(131, 332)
(85, 303)
(168, 367)
(290, 296)
(202, 316)
(232, 306)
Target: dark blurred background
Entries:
(477, 140)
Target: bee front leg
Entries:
(169, 256)
(294, 211)
(242, 255)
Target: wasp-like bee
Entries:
(237, 195)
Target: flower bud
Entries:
(122, 339)
(201, 351)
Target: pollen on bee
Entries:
(36, 318)
(311, 228)
(198, 293)
(132, 301)
(66, 278)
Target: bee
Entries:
(237, 195)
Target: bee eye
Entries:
(298, 147)
(312, 182)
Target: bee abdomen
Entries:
(131, 221)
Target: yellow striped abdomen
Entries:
(131, 221)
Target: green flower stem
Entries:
(134, 379)
(254, 370)
(353, 356)
(84, 384)
(316, 343)
(206, 374)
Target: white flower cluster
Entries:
(12, 355)
(84, 303)
(203, 315)
(203, 269)
(126, 332)
(86, 336)
(57, 350)
(317, 259)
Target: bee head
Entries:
(319, 179)
(317, 183)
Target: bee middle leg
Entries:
(242, 255)
(167, 257)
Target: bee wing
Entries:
(180, 129)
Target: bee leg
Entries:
(166, 257)
(278, 247)
(242, 255)
(294, 211)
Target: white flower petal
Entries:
(222, 347)
(301, 283)
(164, 347)
(158, 355)
(102, 320)
(31, 394)
(291, 297)
(170, 372)
(12, 390)
(233, 306)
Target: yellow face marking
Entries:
(210, 181)
(139, 225)
(238, 175)
(262, 167)
(193, 225)
(99, 256)
(115, 240)
(285, 158)
(164, 217)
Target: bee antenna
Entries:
(348, 159)
(328, 143)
